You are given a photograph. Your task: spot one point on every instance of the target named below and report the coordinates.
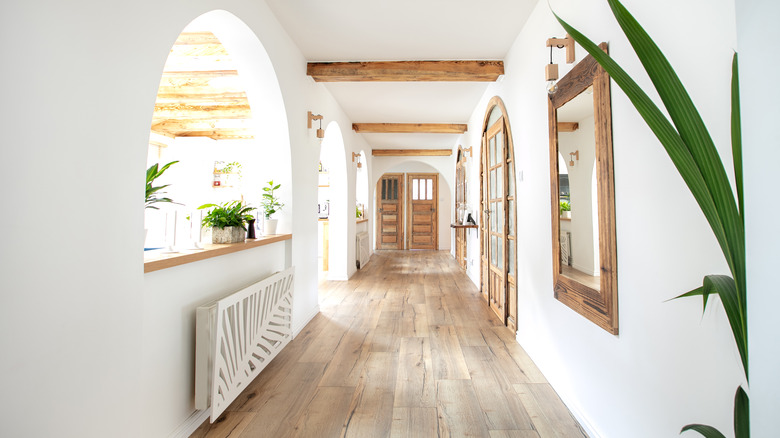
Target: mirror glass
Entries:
(582, 194)
(579, 225)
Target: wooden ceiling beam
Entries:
(202, 99)
(568, 126)
(196, 38)
(406, 71)
(411, 152)
(206, 74)
(407, 128)
(183, 111)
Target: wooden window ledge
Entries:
(360, 221)
(156, 261)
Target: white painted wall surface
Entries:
(760, 94)
(669, 366)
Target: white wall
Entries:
(759, 94)
(669, 366)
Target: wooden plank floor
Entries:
(406, 348)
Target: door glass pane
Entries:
(493, 217)
(493, 257)
(415, 188)
(395, 189)
(492, 151)
(500, 216)
(499, 181)
(511, 217)
(500, 264)
(510, 246)
(500, 146)
(429, 188)
(384, 189)
(493, 184)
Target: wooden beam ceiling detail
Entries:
(406, 71)
(408, 128)
(179, 111)
(411, 152)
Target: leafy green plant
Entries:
(153, 194)
(270, 203)
(232, 167)
(228, 214)
(693, 152)
(565, 206)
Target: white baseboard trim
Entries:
(582, 419)
(191, 424)
(300, 327)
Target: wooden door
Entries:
(495, 206)
(423, 198)
(390, 211)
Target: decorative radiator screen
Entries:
(362, 250)
(237, 336)
(566, 248)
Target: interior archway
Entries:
(335, 196)
(219, 106)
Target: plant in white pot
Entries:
(227, 221)
(271, 205)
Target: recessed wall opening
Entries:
(220, 114)
(333, 210)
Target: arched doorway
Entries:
(498, 241)
(332, 197)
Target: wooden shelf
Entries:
(360, 221)
(156, 262)
(565, 219)
(464, 226)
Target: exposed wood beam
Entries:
(427, 71)
(183, 111)
(201, 125)
(219, 134)
(568, 126)
(208, 74)
(196, 38)
(411, 152)
(406, 128)
(202, 99)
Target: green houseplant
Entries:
(693, 152)
(565, 209)
(271, 205)
(227, 221)
(153, 194)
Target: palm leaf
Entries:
(736, 134)
(705, 431)
(741, 414)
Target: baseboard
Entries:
(307, 320)
(191, 424)
(581, 419)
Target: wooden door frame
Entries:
(410, 211)
(400, 212)
(484, 258)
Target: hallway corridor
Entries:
(406, 348)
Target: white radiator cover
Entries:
(566, 248)
(237, 336)
(362, 250)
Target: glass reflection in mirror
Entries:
(581, 176)
(576, 180)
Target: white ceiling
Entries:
(404, 30)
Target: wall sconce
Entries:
(312, 117)
(468, 149)
(572, 156)
(355, 155)
(551, 69)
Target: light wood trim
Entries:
(165, 261)
(419, 71)
(410, 128)
(598, 306)
(411, 152)
(568, 126)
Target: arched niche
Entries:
(333, 157)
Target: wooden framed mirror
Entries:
(581, 174)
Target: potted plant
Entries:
(271, 205)
(153, 193)
(565, 210)
(227, 221)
